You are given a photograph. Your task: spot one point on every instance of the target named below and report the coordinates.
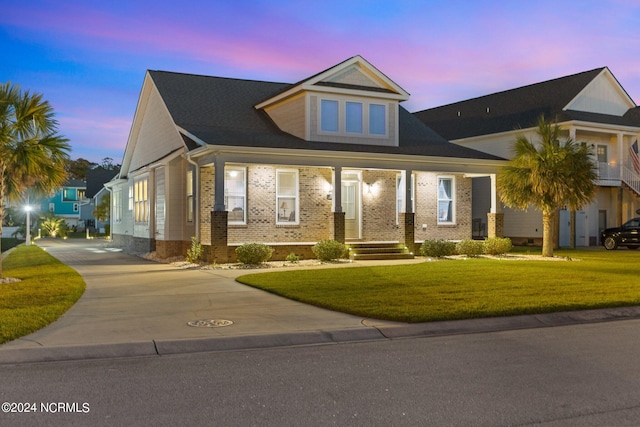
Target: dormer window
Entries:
(377, 119)
(329, 114)
(353, 118)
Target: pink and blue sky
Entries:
(89, 57)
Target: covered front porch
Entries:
(292, 203)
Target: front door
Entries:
(351, 204)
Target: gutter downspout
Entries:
(196, 190)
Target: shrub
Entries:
(470, 248)
(292, 257)
(253, 253)
(328, 250)
(438, 248)
(194, 253)
(497, 246)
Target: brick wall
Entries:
(427, 205)
(316, 219)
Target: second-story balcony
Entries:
(608, 174)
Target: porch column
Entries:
(219, 218)
(621, 164)
(407, 219)
(495, 218)
(338, 215)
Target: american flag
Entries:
(633, 153)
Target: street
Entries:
(573, 375)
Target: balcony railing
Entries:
(608, 175)
(631, 179)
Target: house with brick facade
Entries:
(334, 156)
(592, 108)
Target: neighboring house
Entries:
(334, 156)
(96, 178)
(66, 201)
(591, 107)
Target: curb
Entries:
(373, 331)
(184, 346)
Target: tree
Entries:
(77, 169)
(103, 209)
(32, 155)
(548, 175)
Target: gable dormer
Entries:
(603, 95)
(352, 102)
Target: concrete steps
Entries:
(378, 251)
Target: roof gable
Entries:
(602, 95)
(355, 76)
(596, 93)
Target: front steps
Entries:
(378, 251)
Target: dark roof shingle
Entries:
(516, 108)
(220, 111)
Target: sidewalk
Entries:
(135, 307)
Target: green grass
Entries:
(47, 289)
(463, 289)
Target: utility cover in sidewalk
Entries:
(210, 323)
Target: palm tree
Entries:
(548, 175)
(32, 154)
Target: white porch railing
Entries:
(608, 175)
(631, 178)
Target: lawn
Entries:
(47, 289)
(463, 289)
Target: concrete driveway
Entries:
(136, 307)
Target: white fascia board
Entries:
(112, 184)
(604, 127)
(311, 84)
(343, 158)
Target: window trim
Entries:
(190, 213)
(141, 200)
(296, 202)
(452, 199)
(243, 171)
(342, 117)
(117, 206)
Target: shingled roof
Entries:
(518, 108)
(220, 111)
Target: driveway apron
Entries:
(131, 299)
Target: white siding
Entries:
(157, 135)
(603, 95)
(160, 203)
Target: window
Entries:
(400, 195)
(377, 119)
(117, 206)
(69, 194)
(235, 194)
(446, 200)
(287, 196)
(141, 200)
(190, 199)
(354, 117)
(131, 197)
(602, 153)
(329, 116)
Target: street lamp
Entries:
(28, 234)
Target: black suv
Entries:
(628, 235)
